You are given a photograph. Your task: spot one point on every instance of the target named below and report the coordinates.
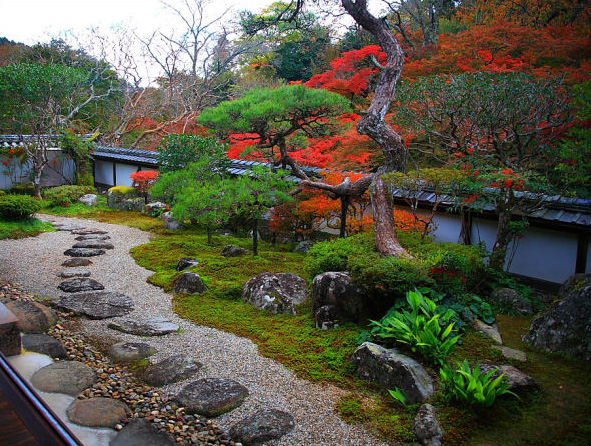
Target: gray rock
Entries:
(89, 199)
(33, 317)
(574, 283)
(212, 396)
(263, 425)
(490, 331)
(89, 231)
(326, 317)
(126, 203)
(565, 327)
(97, 412)
(339, 289)
(518, 381)
(390, 369)
(155, 326)
(186, 262)
(171, 370)
(97, 237)
(277, 293)
(66, 227)
(511, 353)
(77, 262)
(97, 304)
(70, 377)
(189, 283)
(511, 300)
(78, 284)
(172, 224)
(10, 335)
(140, 432)
(233, 251)
(83, 252)
(427, 427)
(128, 352)
(44, 344)
(93, 244)
(75, 272)
(303, 247)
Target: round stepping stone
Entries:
(264, 425)
(76, 262)
(171, 370)
(75, 272)
(83, 252)
(78, 284)
(33, 317)
(88, 231)
(70, 377)
(140, 432)
(97, 304)
(81, 238)
(47, 345)
(212, 396)
(156, 326)
(130, 351)
(97, 412)
(93, 244)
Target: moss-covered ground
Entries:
(24, 228)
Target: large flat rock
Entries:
(84, 252)
(155, 326)
(212, 396)
(171, 370)
(70, 377)
(78, 284)
(97, 304)
(93, 244)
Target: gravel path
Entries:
(36, 262)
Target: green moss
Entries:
(23, 228)
(123, 190)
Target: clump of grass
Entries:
(24, 228)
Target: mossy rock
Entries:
(126, 191)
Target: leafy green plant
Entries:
(472, 386)
(424, 329)
(399, 396)
(19, 207)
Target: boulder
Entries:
(278, 293)
(172, 224)
(426, 426)
(212, 396)
(44, 344)
(264, 425)
(339, 289)
(390, 369)
(233, 251)
(70, 377)
(125, 202)
(89, 200)
(74, 272)
(565, 327)
(574, 283)
(93, 244)
(140, 432)
(518, 381)
(97, 412)
(171, 370)
(128, 352)
(78, 284)
(189, 283)
(83, 252)
(32, 317)
(186, 262)
(10, 335)
(155, 326)
(97, 304)
(76, 262)
(303, 247)
(511, 300)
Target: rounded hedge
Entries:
(19, 207)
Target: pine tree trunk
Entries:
(255, 237)
(502, 240)
(344, 209)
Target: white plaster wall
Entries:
(123, 174)
(448, 228)
(103, 172)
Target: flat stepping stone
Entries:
(212, 396)
(44, 344)
(140, 432)
(81, 238)
(171, 370)
(511, 353)
(67, 227)
(128, 352)
(75, 272)
(97, 412)
(97, 304)
(156, 326)
(70, 377)
(264, 425)
(84, 252)
(78, 284)
(93, 244)
(33, 317)
(88, 231)
(77, 262)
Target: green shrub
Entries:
(471, 386)
(19, 207)
(23, 189)
(66, 194)
(2, 192)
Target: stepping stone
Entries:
(171, 370)
(264, 425)
(97, 412)
(81, 238)
(75, 272)
(140, 432)
(88, 231)
(83, 252)
(130, 351)
(490, 331)
(212, 396)
(511, 353)
(67, 227)
(156, 326)
(33, 317)
(70, 377)
(44, 344)
(93, 244)
(78, 284)
(97, 304)
(186, 262)
(76, 262)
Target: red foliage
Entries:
(144, 179)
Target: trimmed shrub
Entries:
(23, 189)
(66, 194)
(19, 207)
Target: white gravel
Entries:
(36, 262)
